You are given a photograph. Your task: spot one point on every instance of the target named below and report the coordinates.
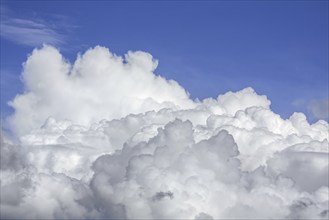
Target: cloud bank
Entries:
(107, 138)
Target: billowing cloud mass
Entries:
(99, 85)
(106, 138)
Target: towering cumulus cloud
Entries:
(98, 85)
(106, 138)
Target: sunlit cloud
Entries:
(107, 138)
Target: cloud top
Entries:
(96, 86)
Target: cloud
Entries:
(29, 32)
(63, 90)
(124, 143)
(161, 195)
(319, 108)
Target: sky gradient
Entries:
(279, 48)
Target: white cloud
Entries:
(121, 142)
(30, 32)
(98, 85)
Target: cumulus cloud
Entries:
(98, 85)
(121, 142)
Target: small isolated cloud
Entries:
(319, 108)
(106, 138)
(30, 32)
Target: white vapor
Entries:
(106, 138)
(320, 108)
(98, 85)
(30, 32)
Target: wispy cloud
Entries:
(315, 109)
(319, 108)
(30, 32)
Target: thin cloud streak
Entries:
(30, 32)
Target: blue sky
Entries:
(280, 48)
